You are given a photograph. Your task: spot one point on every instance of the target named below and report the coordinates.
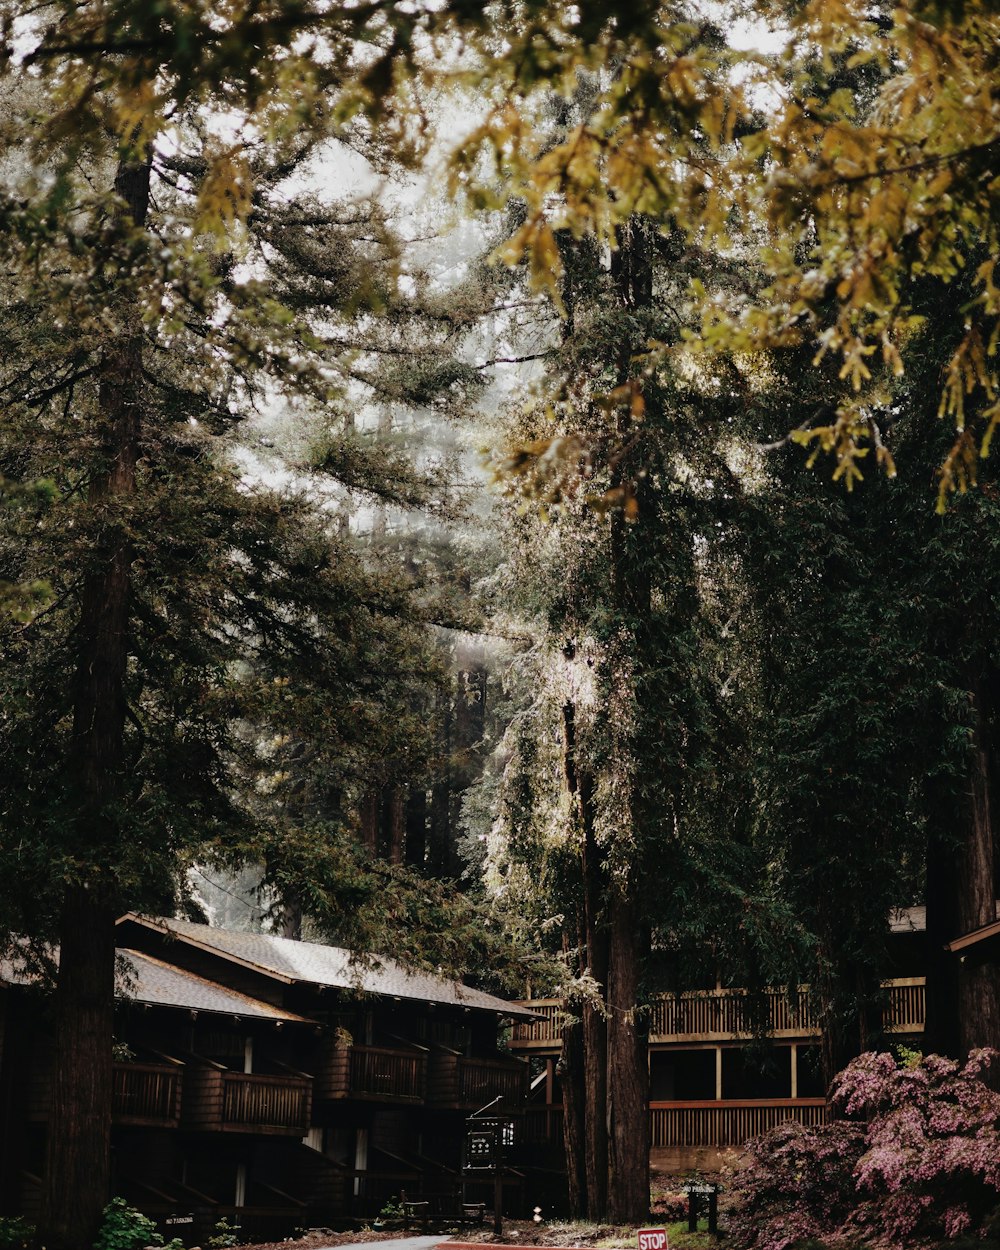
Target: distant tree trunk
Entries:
(847, 1001)
(368, 818)
(291, 915)
(416, 827)
(394, 823)
(77, 1175)
(438, 857)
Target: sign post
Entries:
(484, 1139)
(697, 1192)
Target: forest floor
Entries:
(669, 1206)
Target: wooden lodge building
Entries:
(280, 1085)
(711, 1089)
(266, 1080)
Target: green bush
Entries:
(124, 1228)
(226, 1235)
(15, 1232)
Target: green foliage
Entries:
(16, 1233)
(224, 1236)
(124, 1228)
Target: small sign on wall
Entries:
(652, 1238)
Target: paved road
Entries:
(398, 1243)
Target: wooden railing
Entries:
(147, 1093)
(378, 1072)
(480, 1080)
(261, 1101)
(730, 1123)
(907, 1005)
(541, 1032)
(693, 1124)
(458, 1082)
(720, 1015)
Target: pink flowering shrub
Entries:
(913, 1161)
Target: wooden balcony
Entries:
(727, 1123)
(454, 1081)
(374, 1073)
(722, 1015)
(217, 1100)
(147, 1094)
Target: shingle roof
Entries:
(149, 980)
(312, 962)
(160, 984)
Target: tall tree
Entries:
(617, 588)
(160, 288)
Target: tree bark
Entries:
(77, 1175)
(963, 998)
(593, 943)
(627, 1055)
(78, 1162)
(628, 1066)
(574, 1116)
(978, 993)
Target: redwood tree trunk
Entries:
(963, 998)
(77, 1175)
(628, 1066)
(78, 1162)
(978, 993)
(628, 1061)
(574, 1115)
(593, 942)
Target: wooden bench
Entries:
(441, 1209)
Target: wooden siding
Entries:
(724, 1015)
